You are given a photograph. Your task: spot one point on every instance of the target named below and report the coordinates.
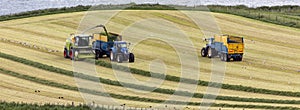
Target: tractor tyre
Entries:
(71, 54)
(131, 57)
(203, 52)
(76, 55)
(221, 57)
(111, 56)
(210, 52)
(66, 53)
(119, 58)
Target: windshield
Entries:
(82, 41)
(123, 45)
(233, 39)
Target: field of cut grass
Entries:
(270, 62)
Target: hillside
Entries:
(270, 62)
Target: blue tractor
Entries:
(111, 45)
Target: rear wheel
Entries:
(131, 58)
(111, 56)
(203, 52)
(210, 52)
(221, 57)
(71, 54)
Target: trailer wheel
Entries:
(119, 58)
(131, 58)
(203, 52)
(96, 55)
(240, 58)
(225, 57)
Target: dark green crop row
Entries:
(135, 86)
(125, 97)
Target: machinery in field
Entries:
(225, 46)
(98, 44)
(111, 45)
(77, 45)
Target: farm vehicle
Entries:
(227, 47)
(98, 45)
(111, 45)
(77, 45)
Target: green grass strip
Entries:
(125, 97)
(135, 86)
(24, 106)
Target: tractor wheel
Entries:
(131, 58)
(203, 52)
(210, 52)
(71, 54)
(76, 55)
(65, 53)
(221, 57)
(119, 59)
(111, 56)
(225, 58)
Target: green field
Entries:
(32, 53)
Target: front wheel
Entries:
(131, 58)
(65, 53)
(119, 58)
(203, 52)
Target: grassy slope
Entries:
(38, 28)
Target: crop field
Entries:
(31, 57)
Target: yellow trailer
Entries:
(227, 47)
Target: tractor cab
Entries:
(120, 52)
(120, 46)
(77, 45)
(82, 40)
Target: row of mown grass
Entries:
(281, 15)
(200, 82)
(135, 86)
(132, 98)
